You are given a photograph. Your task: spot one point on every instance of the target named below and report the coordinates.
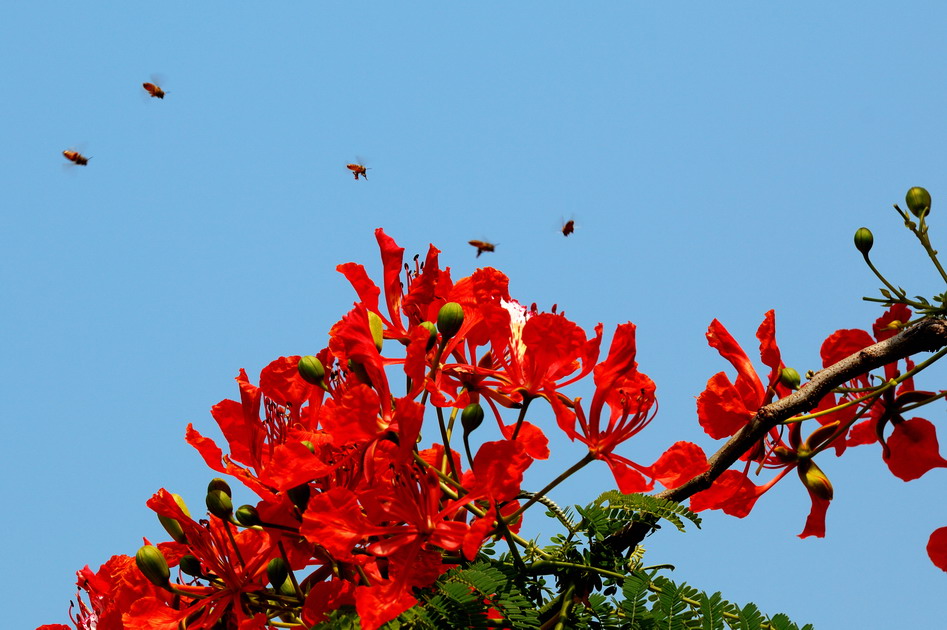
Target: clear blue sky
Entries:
(717, 161)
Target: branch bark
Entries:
(928, 335)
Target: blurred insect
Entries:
(75, 157)
(153, 89)
(568, 227)
(482, 246)
(357, 169)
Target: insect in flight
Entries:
(482, 246)
(357, 169)
(75, 157)
(568, 227)
(153, 89)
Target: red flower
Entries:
(629, 397)
(725, 407)
(237, 563)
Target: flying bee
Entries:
(75, 157)
(568, 227)
(482, 246)
(357, 169)
(153, 89)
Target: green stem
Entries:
(589, 457)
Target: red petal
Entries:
(280, 381)
(732, 492)
(531, 437)
(913, 449)
(815, 523)
(843, 343)
(937, 548)
(720, 408)
(680, 463)
(498, 468)
(766, 333)
(392, 259)
(367, 291)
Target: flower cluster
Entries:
(856, 414)
(354, 515)
(352, 512)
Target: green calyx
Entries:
(377, 327)
(171, 525)
(190, 565)
(219, 484)
(153, 566)
(431, 329)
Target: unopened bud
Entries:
(918, 200)
(312, 370)
(377, 327)
(864, 239)
(471, 417)
(219, 504)
(247, 516)
(277, 570)
(790, 378)
(190, 565)
(815, 480)
(171, 525)
(219, 484)
(431, 328)
(153, 566)
(309, 445)
(449, 319)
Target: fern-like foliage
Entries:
(622, 508)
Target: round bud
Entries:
(449, 319)
(918, 200)
(790, 378)
(190, 565)
(864, 239)
(247, 516)
(377, 327)
(312, 370)
(471, 417)
(219, 504)
(153, 566)
(431, 328)
(277, 570)
(219, 484)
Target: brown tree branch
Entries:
(928, 335)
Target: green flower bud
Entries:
(449, 319)
(309, 445)
(219, 504)
(219, 484)
(377, 327)
(790, 378)
(471, 417)
(918, 200)
(432, 331)
(247, 516)
(312, 371)
(277, 570)
(191, 565)
(864, 239)
(171, 525)
(153, 566)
